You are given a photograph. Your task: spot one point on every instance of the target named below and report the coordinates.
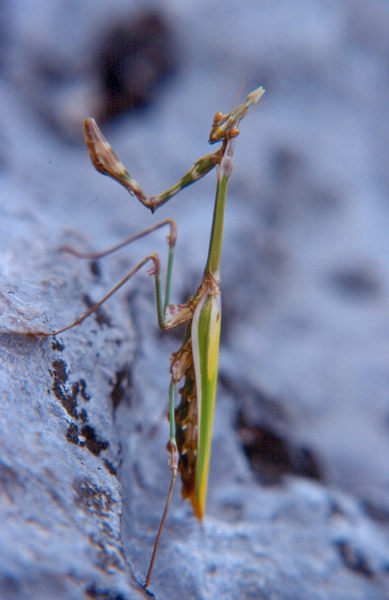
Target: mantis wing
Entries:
(205, 347)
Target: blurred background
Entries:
(304, 369)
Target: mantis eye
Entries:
(217, 118)
(234, 131)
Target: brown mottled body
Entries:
(186, 413)
(186, 418)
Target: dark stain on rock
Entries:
(271, 456)
(60, 371)
(83, 391)
(266, 432)
(75, 388)
(110, 467)
(354, 559)
(96, 593)
(83, 415)
(86, 434)
(92, 441)
(122, 381)
(67, 398)
(95, 269)
(92, 498)
(72, 434)
(57, 346)
(100, 315)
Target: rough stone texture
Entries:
(298, 505)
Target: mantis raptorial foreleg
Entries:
(224, 128)
(105, 160)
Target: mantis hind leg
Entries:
(173, 464)
(152, 256)
(155, 270)
(96, 255)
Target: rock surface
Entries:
(298, 503)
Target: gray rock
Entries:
(298, 501)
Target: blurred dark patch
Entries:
(83, 385)
(120, 69)
(266, 433)
(83, 415)
(72, 434)
(64, 392)
(110, 467)
(121, 383)
(101, 316)
(135, 56)
(271, 456)
(354, 559)
(95, 268)
(285, 162)
(377, 511)
(57, 346)
(94, 444)
(93, 591)
(67, 393)
(86, 436)
(356, 282)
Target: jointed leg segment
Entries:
(173, 464)
(155, 270)
(105, 161)
(96, 255)
(224, 127)
(152, 256)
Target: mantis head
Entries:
(226, 126)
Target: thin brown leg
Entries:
(152, 256)
(95, 255)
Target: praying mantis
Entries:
(196, 361)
